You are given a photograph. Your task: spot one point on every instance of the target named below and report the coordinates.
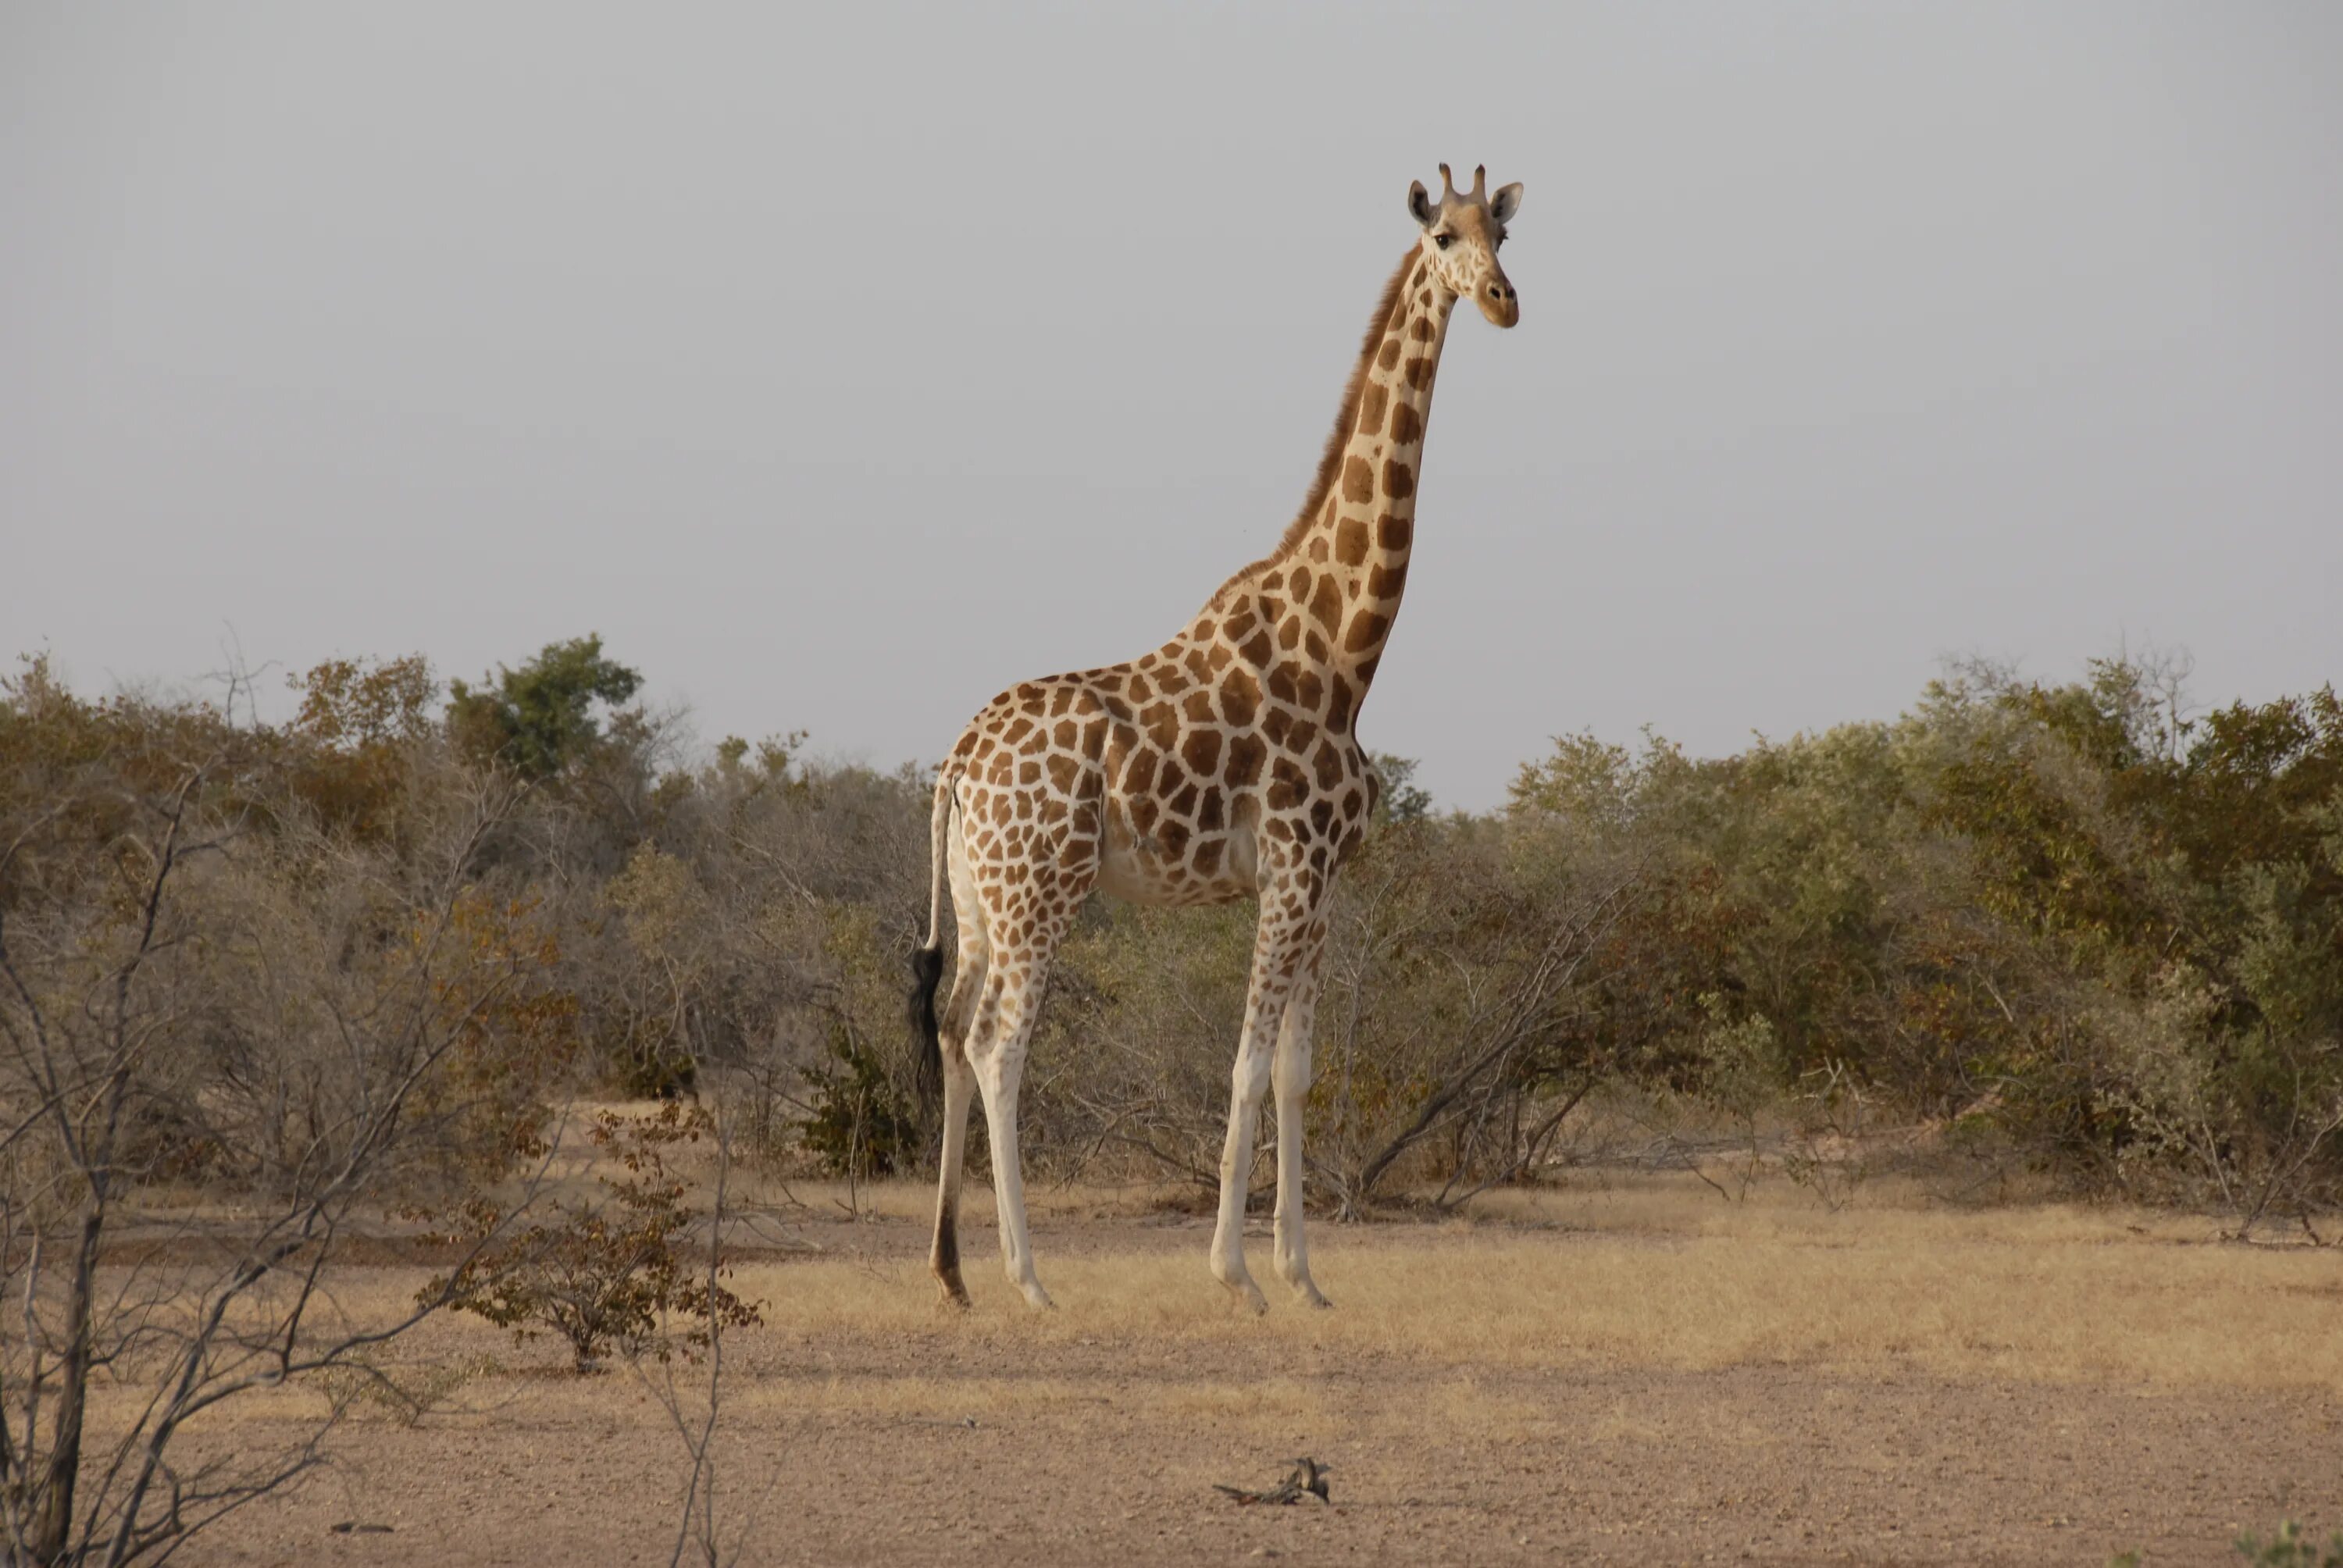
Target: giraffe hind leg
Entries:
(1031, 881)
(970, 985)
(958, 1087)
(997, 1054)
(1022, 943)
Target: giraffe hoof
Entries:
(954, 1296)
(1247, 1296)
(1312, 1297)
(1039, 1299)
(949, 1285)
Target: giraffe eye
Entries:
(1442, 240)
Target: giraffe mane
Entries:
(1330, 463)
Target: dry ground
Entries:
(1621, 1373)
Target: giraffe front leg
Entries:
(1276, 953)
(1292, 1076)
(1247, 1084)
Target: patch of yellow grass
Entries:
(1643, 1279)
(1654, 1274)
(914, 1202)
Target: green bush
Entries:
(860, 1126)
(2288, 1547)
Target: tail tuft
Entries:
(928, 959)
(927, 974)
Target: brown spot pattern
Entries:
(1224, 762)
(1326, 604)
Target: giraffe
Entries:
(1225, 765)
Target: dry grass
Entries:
(1659, 1275)
(1653, 1273)
(1541, 1379)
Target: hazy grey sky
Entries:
(843, 364)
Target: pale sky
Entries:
(844, 364)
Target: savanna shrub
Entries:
(604, 1273)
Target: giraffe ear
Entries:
(1419, 202)
(1507, 203)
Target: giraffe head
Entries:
(1461, 237)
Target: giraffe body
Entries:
(1223, 765)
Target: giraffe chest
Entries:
(1205, 837)
(1161, 789)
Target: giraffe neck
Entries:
(1326, 598)
(1361, 533)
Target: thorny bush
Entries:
(608, 1271)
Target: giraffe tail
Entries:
(928, 961)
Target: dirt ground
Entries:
(1605, 1377)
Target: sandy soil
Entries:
(1772, 1464)
(1098, 1431)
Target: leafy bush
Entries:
(607, 1272)
(2288, 1547)
(860, 1126)
(2084, 928)
(538, 719)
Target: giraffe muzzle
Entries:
(1498, 302)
